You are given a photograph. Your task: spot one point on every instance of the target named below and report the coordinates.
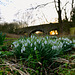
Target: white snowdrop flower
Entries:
(14, 42)
(65, 45)
(61, 45)
(31, 36)
(25, 44)
(45, 42)
(23, 48)
(73, 41)
(54, 47)
(21, 51)
(70, 41)
(34, 43)
(28, 41)
(42, 44)
(15, 45)
(31, 44)
(34, 48)
(66, 42)
(11, 46)
(37, 40)
(63, 38)
(67, 39)
(47, 37)
(59, 38)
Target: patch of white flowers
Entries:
(35, 43)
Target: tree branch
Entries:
(39, 6)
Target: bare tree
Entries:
(58, 9)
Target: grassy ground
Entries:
(65, 65)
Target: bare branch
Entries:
(39, 6)
(55, 5)
(65, 4)
(72, 3)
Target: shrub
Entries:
(40, 49)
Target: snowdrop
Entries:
(11, 46)
(42, 44)
(34, 48)
(35, 43)
(70, 41)
(14, 42)
(54, 47)
(37, 40)
(45, 42)
(47, 37)
(57, 44)
(31, 36)
(73, 41)
(25, 44)
(23, 49)
(60, 38)
(65, 45)
(31, 44)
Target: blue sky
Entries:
(8, 9)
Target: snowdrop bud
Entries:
(31, 36)
(34, 43)
(59, 38)
(34, 48)
(54, 47)
(28, 41)
(47, 37)
(65, 45)
(25, 44)
(21, 51)
(15, 45)
(45, 42)
(24, 49)
(37, 40)
(70, 41)
(31, 44)
(11, 46)
(42, 44)
(14, 42)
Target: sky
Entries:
(41, 15)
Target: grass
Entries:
(9, 65)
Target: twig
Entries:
(13, 68)
(51, 65)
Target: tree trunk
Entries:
(72, 3)
(59, 12)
